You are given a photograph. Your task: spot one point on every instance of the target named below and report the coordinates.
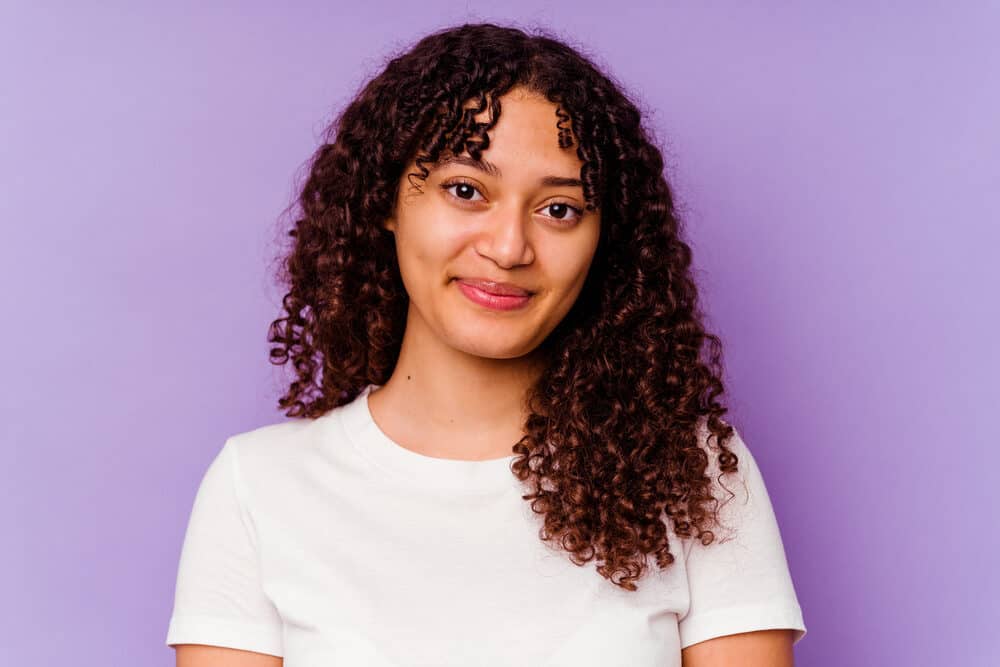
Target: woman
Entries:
(499, 380)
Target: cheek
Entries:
(568, 265)
(426, 246)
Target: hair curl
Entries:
(613, 439)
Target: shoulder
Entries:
(734, 443)
(704, 434)
(279, 448)
(739, 495)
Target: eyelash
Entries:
(452, 183)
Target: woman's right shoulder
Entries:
(281, 447)
(274, 434)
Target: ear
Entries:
(390, 224)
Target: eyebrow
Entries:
(489, 168)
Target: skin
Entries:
(457, 389)
(463, 369)
(199, 655)
(762, 648)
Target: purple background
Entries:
(839, 171)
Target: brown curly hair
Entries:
(617, 421)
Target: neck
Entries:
(475, 402)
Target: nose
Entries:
(505, 238)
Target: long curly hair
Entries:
(615, 436)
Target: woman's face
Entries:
(518, 217)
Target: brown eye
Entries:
(463, 190)
(560, 210)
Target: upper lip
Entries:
(496, 287)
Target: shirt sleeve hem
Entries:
(225, 632)
(734, 620)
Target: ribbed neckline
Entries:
(405, 464)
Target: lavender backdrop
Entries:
(838, 166)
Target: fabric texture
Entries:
(326, 543)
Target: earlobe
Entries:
(389, 224)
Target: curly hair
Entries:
(616, 422)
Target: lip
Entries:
(495, 287)
(494, 295)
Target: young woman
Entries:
(500, 380)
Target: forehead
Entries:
(524, 138)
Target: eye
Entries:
(465, 190)
(561, 209)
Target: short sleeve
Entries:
(218, 598)
(741, 581)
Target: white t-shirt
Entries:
(325, 542)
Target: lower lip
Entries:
(493, 301)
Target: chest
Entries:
(405, 581)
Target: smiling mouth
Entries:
(478, 294)
(494, 287)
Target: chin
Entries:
(494, 349)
